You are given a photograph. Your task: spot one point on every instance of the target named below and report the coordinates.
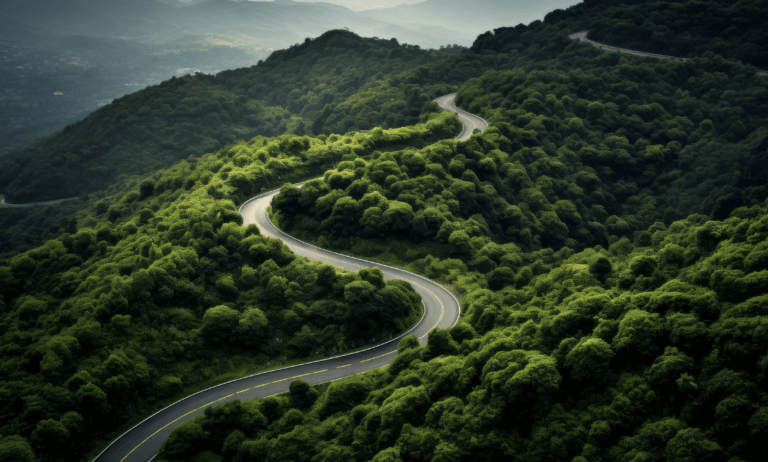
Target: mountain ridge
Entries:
(606, 236)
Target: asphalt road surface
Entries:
(441, 309)
(469, 121)
(4, 204)
(582, 37)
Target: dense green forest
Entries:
(603, 155)
(194, 115)
(23, 228)
(163, 289)
(138, 133)
(738, 29)
(607, 236)
(652, 349)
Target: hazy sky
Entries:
(358, 4)
(367, 4)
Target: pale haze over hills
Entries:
(62, 59)
(355, 5)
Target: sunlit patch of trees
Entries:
(165, 288)
(651, 349)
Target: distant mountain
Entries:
(153, 20)
(105, 18)
(467, 19)
(129, 44)
(428, 24)
(159, 125)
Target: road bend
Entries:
(469, 122)
(4, 204)
(441, 310)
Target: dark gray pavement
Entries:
(469, 121)
(582, 37)
(441, 309)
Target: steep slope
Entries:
(193, 115)
(166, 292)
(653, 350)
(585, 336)
(646, 343)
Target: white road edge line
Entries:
(418, 276)
(269, 372)
(463, 125)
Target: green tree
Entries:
(16, 449)
(501, 277)
(252, 327)
(219, 324)
(589, 361)
(50, 438)
(301, 394)
(408, 342)
(601, 268)
(147, 188)
(440, 342)
(184, 441)
(639, 335)
(460, 243)
(690, 445)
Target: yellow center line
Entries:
(214, 401)
(377, 357)
(442, 308)
(343, 366)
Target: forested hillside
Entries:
(23, 228)
(738, 29)
(607, 237)
(571, 159)
(193, 115)
(165, 290)
(646, 350)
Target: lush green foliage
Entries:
(194, 115)
(599, 157)
(597, 325)
(317, 76)
(23, 228)
(607, 236)
(197, 115)
(686, 27)
(648, 351)
(137, 133)
(161, 287)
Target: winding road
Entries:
(582, 37)
(469, 121)
(441, 309)
(4, 204)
